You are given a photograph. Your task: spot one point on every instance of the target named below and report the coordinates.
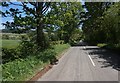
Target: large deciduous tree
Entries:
(66, 16)
(111, 23)
(92, 25)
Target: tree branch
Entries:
(45, 7)
(33, 3)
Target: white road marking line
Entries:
(91, 60)
(90, 57)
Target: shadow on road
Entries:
(111, 59)
(81, 43)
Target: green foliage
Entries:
(27, 47)
(101, 45)
(112, 47)
(46, 42)
(111, 24)
(66, 18)
(102, 24)
(5, 36)
(14, 49)
(57, 42)
(34, 17)
(19, 69)
(23, 37)
(60, 47)
(53, 37)
(93, 22)
(22, 69)
(75, 37)
(9, 55)
(24, 49)
(47, 55)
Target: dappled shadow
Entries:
(111, 59)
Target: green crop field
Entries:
(9, 43)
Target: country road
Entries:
(84, 63)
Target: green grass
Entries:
(21, 69)
(101, 45)
(112, 47)
(24, 69)
(61, 47)
(10, 43)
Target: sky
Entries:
(10, 19)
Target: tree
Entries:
(111, 24)
(93, 19)
(66, 18)
(33, 18)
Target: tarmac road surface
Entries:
(84, 63)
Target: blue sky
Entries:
(10, 19)
(4, 19)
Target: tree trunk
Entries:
(40, 37)
(40, 34)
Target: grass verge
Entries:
(60, 48)
(112, 47)
(24, 69)
(101, 45)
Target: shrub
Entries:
(19, 69)
(72, 42)
(9, 55)
(57, 42)
(27, 48)
(22, 69)
(47, 55)
(23, 37)
(5, 36)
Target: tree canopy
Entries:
(101, 24)
(62, 18)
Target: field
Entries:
(9, 43)
(10, 40)
(24, 68)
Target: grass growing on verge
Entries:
(10, 43)
(113, 47)
(61, 47)
(19, 70)
(24, 69)
(101, 45)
